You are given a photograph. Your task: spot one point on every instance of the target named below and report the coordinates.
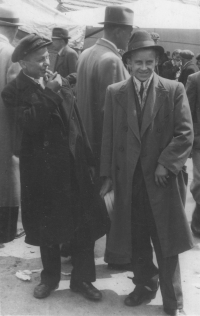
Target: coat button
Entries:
(121, 148)
(159, 130)
(46, 143)
(72, 117)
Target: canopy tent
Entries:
(38, 17)
(177, 23)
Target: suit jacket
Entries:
(193, 93)
(166, 137)
(98, 67)
(187, 70)
(66, 61)
(9, 164)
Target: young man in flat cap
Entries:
(147, 138)
(56, 166)
(188, 65)
(98, 67)
(193, 93)
(9, 163)
(171, 68)
(66, 61)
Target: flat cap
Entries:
(27, 45)
(186, 54)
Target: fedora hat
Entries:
(8, 16)
(59, 32)
(139, 40)
(118, 15)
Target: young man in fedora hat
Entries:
(98, 67)
(147, 138)
(9, 163)
(66, 60)
(56, 166)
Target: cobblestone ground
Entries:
(16, 295)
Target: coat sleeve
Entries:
(107, 138)
(191, 90)
(72, 59)
(174, 156)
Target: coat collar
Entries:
(23, 82)
(108, 45)
(157, 92)
(189, 63)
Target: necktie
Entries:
(141, 90)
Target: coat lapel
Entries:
(156, 95)
(126, 99)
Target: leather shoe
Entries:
(174, 312)
(87, 290)
(139, 295)
(195, 223)
(120, 267)
(43, 290)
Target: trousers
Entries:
(82, 260)
(195, 185)
(144, 234)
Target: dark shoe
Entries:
(43, 290)
(195, 224)
(139, 295)
(87, 290)
(174, 312)
(120, 267)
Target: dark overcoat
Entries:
(188, 69)
(166, 137)
(55, 156)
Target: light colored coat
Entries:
(193, 93)
(98, 67)
(166, 137)
(9, 164)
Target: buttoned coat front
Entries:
(98, 67)
(166, 137)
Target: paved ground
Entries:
(16, 295)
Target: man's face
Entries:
(57, 44)
(142, 63)
(177, 59)
(124, 35)
(36, 63)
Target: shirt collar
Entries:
(104, 39)
(145, 83)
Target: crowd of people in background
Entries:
(117, 117)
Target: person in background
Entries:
(155, 37)
(171, 69)
(98, 67)
(193, 93)
(198, 61)
(67, 57)
(188, 65)
(56, 169)
(9, 162)
(147, 138)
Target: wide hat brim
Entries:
(143, 45)
(116, 23)
(61, 37)
(4, 23)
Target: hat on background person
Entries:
(27, 45)
(139, 40)
(8, 16)
(118, 15)
(60, 33)
(186, 54)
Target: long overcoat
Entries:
(9, 163)
(166, 137)
(98, 67)
(66, 61)
(55, 156)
